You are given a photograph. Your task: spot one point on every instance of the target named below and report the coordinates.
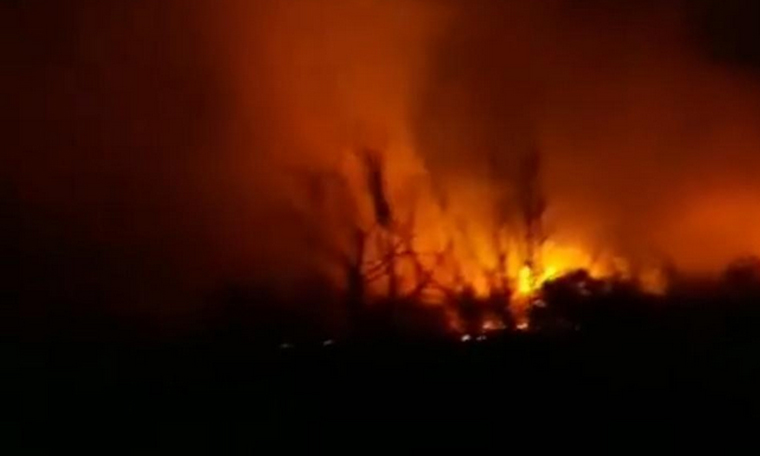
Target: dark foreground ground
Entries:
(607, 365)
(504, 392)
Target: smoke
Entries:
(161, 149)
(647, 138)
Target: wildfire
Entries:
(423, 251)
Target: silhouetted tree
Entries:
(500, 275)
(532, 208)
(374, 174)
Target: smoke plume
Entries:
(157, 150)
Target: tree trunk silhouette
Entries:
(532, 207)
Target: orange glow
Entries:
(450, 156)
(436, 254)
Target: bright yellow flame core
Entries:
(525, 281)
(558, 260)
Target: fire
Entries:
(530, 281)
(449, 253)
(526, 283)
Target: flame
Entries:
(526, 281)
(421, 250)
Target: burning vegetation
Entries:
(464, 213)
(460, 161)
(384, 258)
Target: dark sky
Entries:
(147, 141)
